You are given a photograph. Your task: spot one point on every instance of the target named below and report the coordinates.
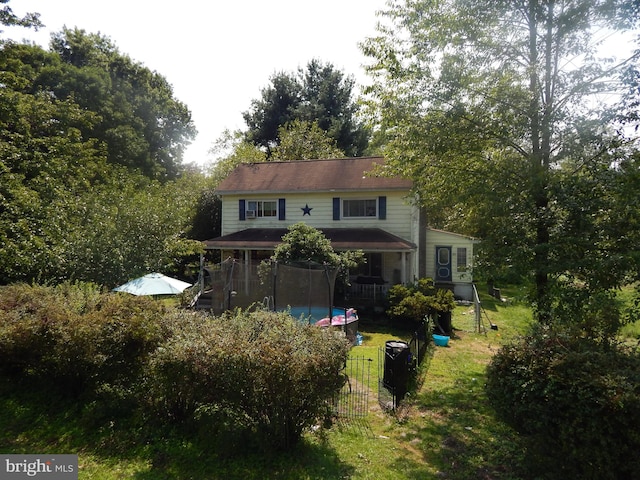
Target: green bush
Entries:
(598, 313)
(74, 338)
(412, 303)
(26, 316)
(576, 398)
(259, 377)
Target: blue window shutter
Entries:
(281, 209)
(382, 208)
(336, 208)
(242, 210)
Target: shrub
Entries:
(578, 399)
(75, 339)
(257, 377)
(261, 377)
(412, 303)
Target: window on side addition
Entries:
(461, 262)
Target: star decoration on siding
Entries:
(306, 210)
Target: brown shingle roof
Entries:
(345, 174)
(367, 239)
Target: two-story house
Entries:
(354, 209)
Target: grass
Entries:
(625, 296)
(445, 429)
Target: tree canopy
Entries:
(91, 184)
(303, 243)
(135, 116)
(142, 124)
(304, 141)
(321, 95)
(8, 18)
(493, 109)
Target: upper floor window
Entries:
(366, 208)
(262, 208)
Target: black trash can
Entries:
(397, 359)
(443, 324)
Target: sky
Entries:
(216, 54)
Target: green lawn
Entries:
(443, 430)
(446, 429)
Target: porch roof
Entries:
(367, 239)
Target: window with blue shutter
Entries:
(382, 208)
(242, 211)
(281, 209)
(336, 208)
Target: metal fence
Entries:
(353, 399)
(419, 343)
(352, 402)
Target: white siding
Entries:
(440, 238)
(398, 219)
(402, 219)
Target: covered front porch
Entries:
(389, 257)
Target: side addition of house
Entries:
(355, 210)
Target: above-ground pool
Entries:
(315, 314)
(343, 318)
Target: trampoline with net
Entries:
(304, 289)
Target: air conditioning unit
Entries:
(251, 214)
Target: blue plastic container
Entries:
(441, 340)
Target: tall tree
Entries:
(305, 141)
(45, 163)
(276, 107)
(490, 106)
(327, 100)
(142, 123)
(65, 211)
(320, 94)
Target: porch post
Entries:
(247, 273)
(422, 243)
(403, 274)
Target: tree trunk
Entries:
(541, 107)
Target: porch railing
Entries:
(367, 291)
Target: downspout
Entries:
(422, 242)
